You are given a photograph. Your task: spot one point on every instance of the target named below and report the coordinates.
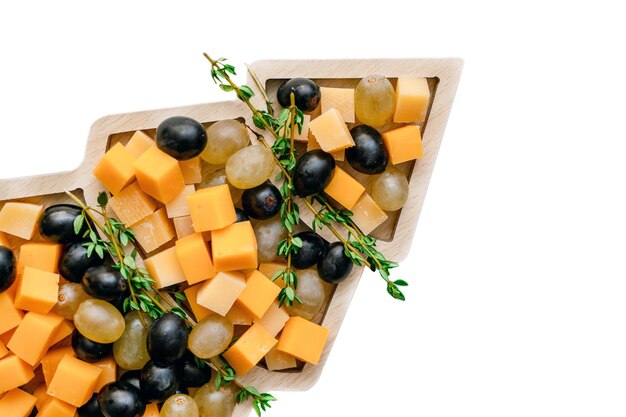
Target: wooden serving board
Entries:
(395, 235)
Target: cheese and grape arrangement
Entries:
(195, 270)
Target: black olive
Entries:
(133, 378)
(57, 223)
(91, 408)
(7, 268)
(104, 282)
(167, 338)
(181, 137)
(314, 247)
(74, 262)
(192, 375)
(369, 154)
(88, 350)
(241, 215)
(261, 202)
(158, 383)
(313, 172)
(335, 266)
(306, 94)
(120, 399)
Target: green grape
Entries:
(214, 403)
(250, 166)
(211, 336)
(268, 234)
(130, 351)
(374, 101)
(390, 189)
(224, 138)
(180, 405)
(99, 321)
(70, 297)
(312, 291)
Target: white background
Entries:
(517, 299)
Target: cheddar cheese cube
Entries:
(57, 408)
(51, 360)
(139, 143)
(249, 349)
(40, 255)
(108, 375)
(341, 99)
(3, 350)
(192, 297)
(115, 170)
(41, 394)
(20, 219)
(74, 381)
(220, 292)
(14, 373)
(312, 144)
(37, 290)
(303, 339)
(179, 206)
(10, 315)
(412, 99)
(152, 410)
(212, 208)
(17, 403)
(165, 268)
(258, 295)
(344, 189)
(191, 170)
(183, 226)
(278, 361)
(274, 319)
(238, 316)
(303, 135)
(404, 144)
(159, 175)
(195, 258)
(234, 247)
(154, 231)
(5, 337)
(367, 215)
(132, 205)
(65, 330)
(32, 337)
(331, 131)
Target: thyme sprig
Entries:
(359, 248)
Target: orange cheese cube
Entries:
(183, 226)
(40, 255)
(234, 247)
(20, 219)
(303, 339)
(17, 403)
(139, 143)
(37, 290)
(277, 360)
(57, 408)
(341, 99)
(74, 381)
(331, 131)
(192, 297)
(132, 205)
(220, 292)
(259, 294)
(115, 170)
(303, 135)
(404, 144)
(3, 350)
(191, 170)
(212, 208)
(14, 373)
(10, 315)
(165, 268)
(195, 258)
(312, 144)
(5, 337)
(412, 99)
(367, 215)
(249, 349)
(51, 360)
(159, 175)
(41, 394)
(344, 189)
(154, 231)
(152, 410)
(179, 206)
(4, 240)
(108, 375)
(274, 319)
(65, 329)
(31, 339)
(238, 316)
